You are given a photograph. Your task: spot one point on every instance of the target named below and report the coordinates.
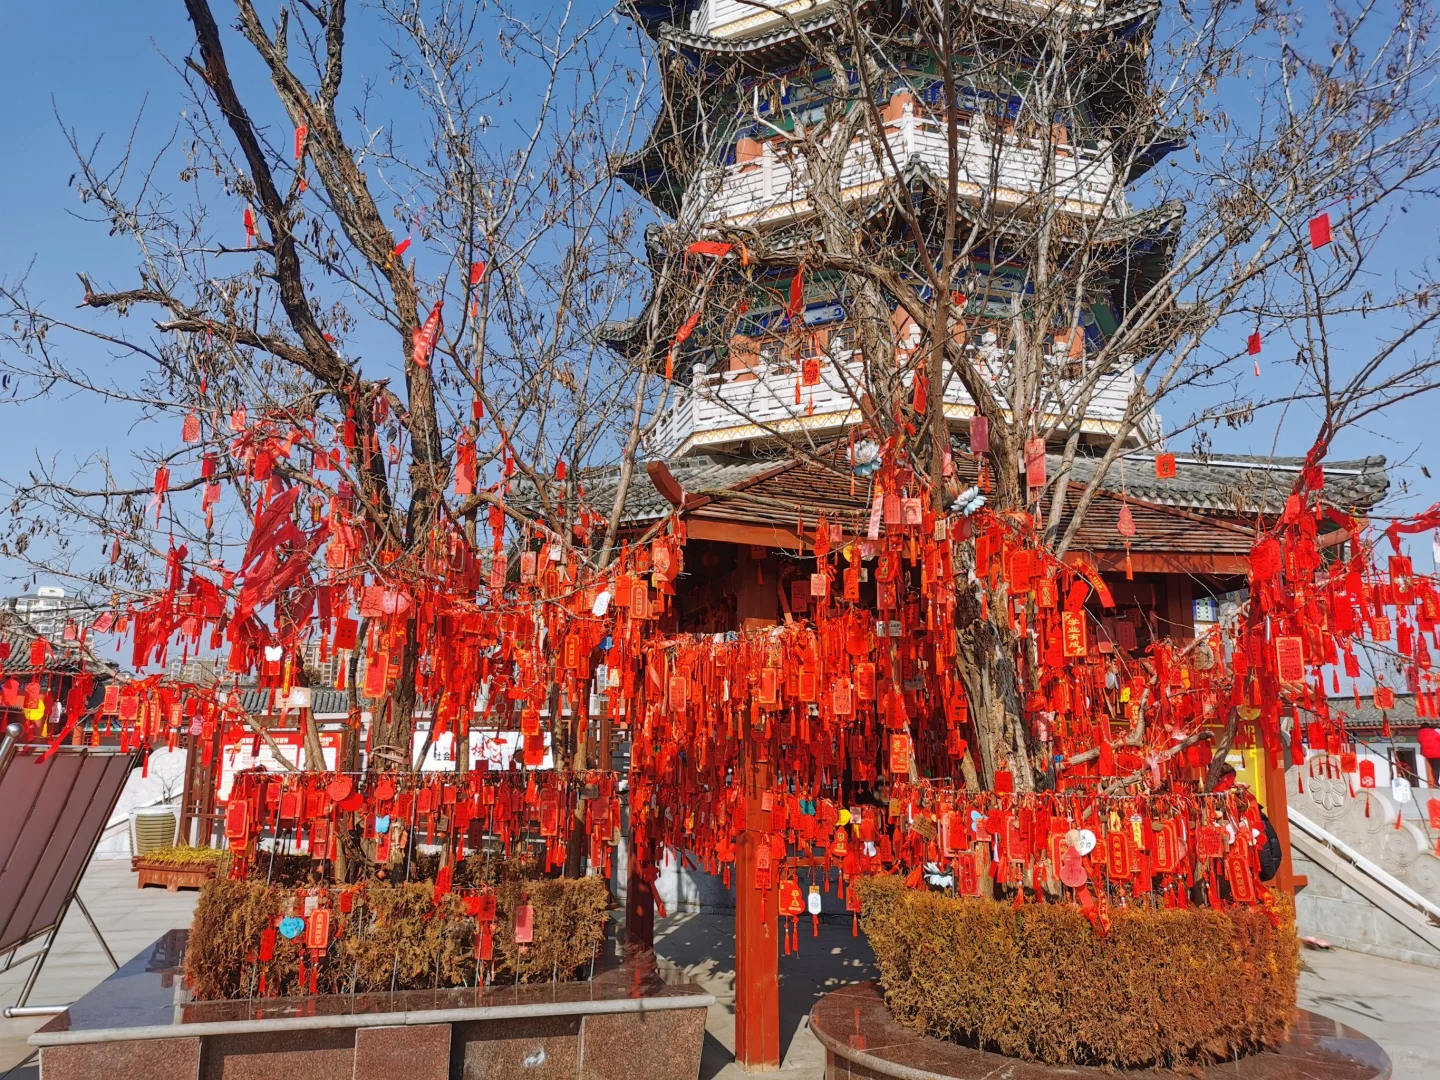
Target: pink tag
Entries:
(524, 924)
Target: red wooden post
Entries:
(757, 912)
(639, 904)
(757, 951)
(1277, 810)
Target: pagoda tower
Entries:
(763, 105)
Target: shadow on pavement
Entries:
(704, 947)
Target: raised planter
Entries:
(632, 1019)
(1145, 986)
(864, 1042)
(172, 876)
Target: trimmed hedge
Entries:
(1169, 988)
(394, 937)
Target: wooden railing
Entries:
(721, 408)
(1010, 168)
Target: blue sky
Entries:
(97, 64)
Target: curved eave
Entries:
(764, 46)
(646, 172)
(655, 15)
(1125, 18)
(1161, 145)
(626, 337)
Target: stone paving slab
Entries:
(130, 918)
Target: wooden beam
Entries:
(733, 532)
(1159, 562)
(665, 483)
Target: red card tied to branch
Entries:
(792, 902)
(762, 867)
(1126, 524)
(1367, 773)
(423, 339)
(980, 435)
(1072, 633)
(485, 907)
(1165, 466)
(1290, 659)
(345, 633)
(1320, 230)
(317, 930)
(524, 924)
(1035, 462)
(899, 754)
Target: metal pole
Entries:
(40, 959)
(98, 936)
(10, 742)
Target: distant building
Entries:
(322, 673)
(202, 672)
(47, 610)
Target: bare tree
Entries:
(380, 286)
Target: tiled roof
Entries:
(64, 658)
(698, 472)
(1239, 483)
(1368, 718)
(323, 702)
(1228, 485)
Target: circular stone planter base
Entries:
(863, 1041)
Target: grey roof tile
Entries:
(1239, 483)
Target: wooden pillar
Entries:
(1178, 608)
(1276, 803)
(757, 936)
(639, 902)
(757, 911)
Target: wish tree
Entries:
(862, 533)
